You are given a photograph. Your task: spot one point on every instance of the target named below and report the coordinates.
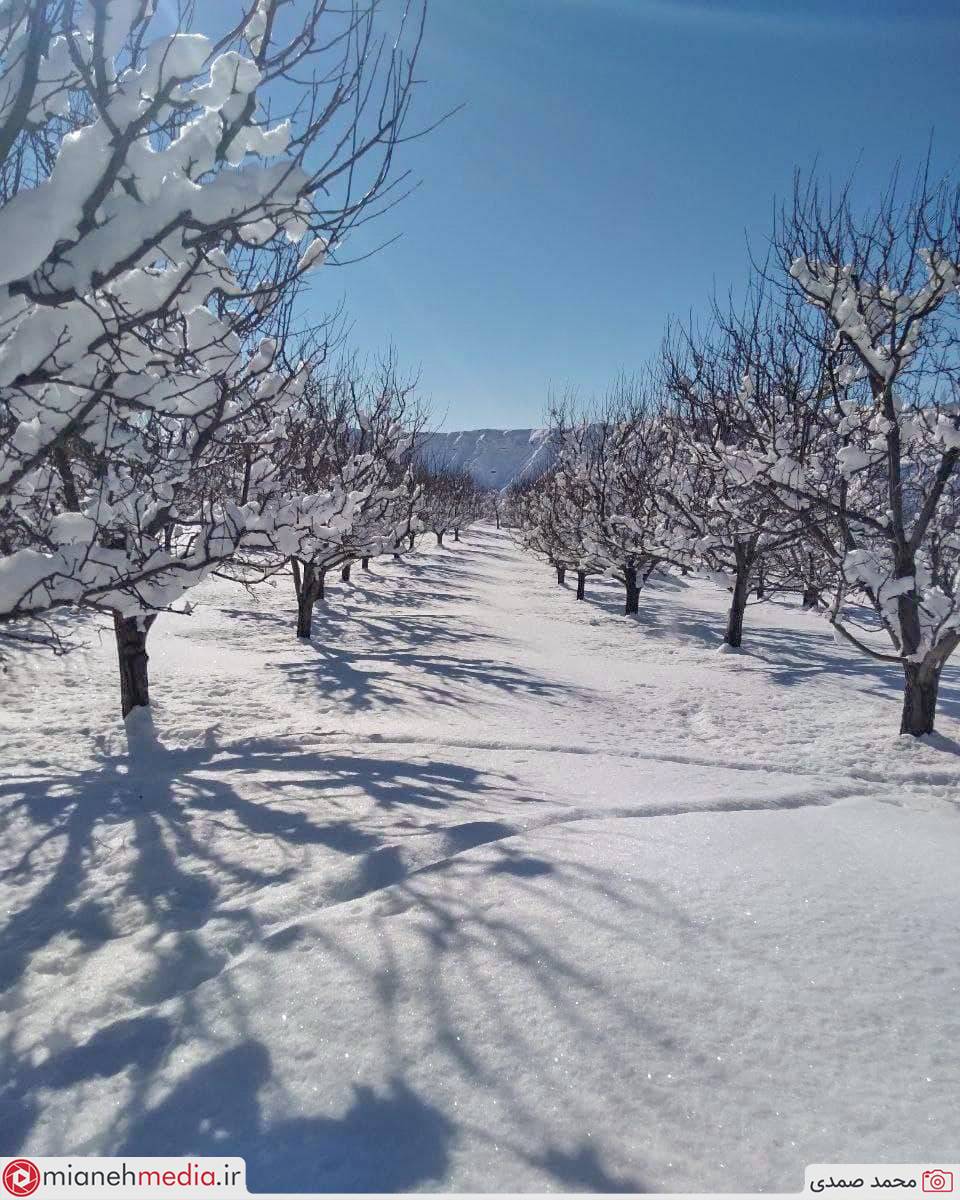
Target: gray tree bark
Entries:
(308, 583)
(921, 683)
(633, 592)
(131, 638)
(741, 593)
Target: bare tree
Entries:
(333, 484)
(162, 196)
(450, 500)
(874, 436)
(721, 522)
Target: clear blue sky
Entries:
(612, 159)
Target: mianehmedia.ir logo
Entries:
(21, 1177)
(66, 1178)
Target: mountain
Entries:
(494, 457)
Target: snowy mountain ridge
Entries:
(494, 457)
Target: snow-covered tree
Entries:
(492, 506)
(332, 483)
(721, 523)
(869, 447)
(511, 503)
(629, 452)
(536, 504)
(450, 500)
(596, 509)
(161, 196)
(555, 511)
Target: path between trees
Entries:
(484, 888)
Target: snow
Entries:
(494, 457)
(484, 889)
(873, 320)
(313, 255)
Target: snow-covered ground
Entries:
(484, 889)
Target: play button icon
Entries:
(21, 1177)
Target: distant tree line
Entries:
(165, 411)
(804, 440)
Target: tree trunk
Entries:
(741, 591)
(498, 520)
(305, 603)
(411, 538)
(921, 683)
(633, 592)
(581, 584)
(345, 573)
(456, 535)
(761, 581)
(131, 637)
(811, 593)
(439, 537)
(365, 564)
(561, 574)
(309, 587)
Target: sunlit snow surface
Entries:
(484, 889)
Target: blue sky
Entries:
(611, 161)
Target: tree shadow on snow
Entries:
(383, 1142)
(383, 660)
(189, 1089)
(786, 656)
(362, 680)
(183, 881)
(163, 807)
